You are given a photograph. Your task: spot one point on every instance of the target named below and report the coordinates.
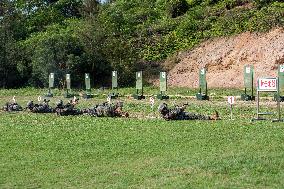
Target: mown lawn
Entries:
(49, 151)
(143, 151)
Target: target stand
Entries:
(139, 87)
(114, 86)
(268, 84)
(50, 85)
(163, 87)
(248, 82)
(281, 84)
(202, 85)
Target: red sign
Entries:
(267, 84)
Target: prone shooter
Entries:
(178, 113)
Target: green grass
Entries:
(176, 92)
(46, 151)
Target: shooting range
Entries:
(114, 85)
(50, 85)
(139, 86)
(248, 83)
(267, 84)
(163, 86)
(203, 90)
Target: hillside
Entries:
(86, 36)
(225, 58)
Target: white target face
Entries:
(52, 75)
(281, 69)
(68, 76)
(138, 75)
(164, 75)
(113, 74)
(87, 76)
(247, 70)
(202, 71)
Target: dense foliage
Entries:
(78, 36)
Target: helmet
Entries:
(30, 103)
(163, 107)
(59, 103)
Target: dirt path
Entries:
(225, 58)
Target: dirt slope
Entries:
(225, 58)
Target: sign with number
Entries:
(87, 81)
(139, 81)
(114, 79)
(51, 80)
(267, 84)
(152, 101)
(163, 81)
(231, 100)
(68, 81)
(108, 99)
(247, 70)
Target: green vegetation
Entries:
(78, 36)
(46, 151)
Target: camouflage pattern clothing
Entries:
(67, 109)
(40, 108)
(11, 107)
(107, 110)
(178, 113)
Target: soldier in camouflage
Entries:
(68, 109)
(178, 113)
(39, 108)
(107, 110)
(12, 107)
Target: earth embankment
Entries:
(225, 58)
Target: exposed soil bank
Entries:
(225, 58)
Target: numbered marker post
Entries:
(231, 101)
(108, 100)
(152, 102)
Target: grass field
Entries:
(143, 151)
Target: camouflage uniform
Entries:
(178, 113)
(107, 110)
(67, 109)
(11, 107)
(40, 108)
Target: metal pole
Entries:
(278, 100)
(231, 111)
(257, 110)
